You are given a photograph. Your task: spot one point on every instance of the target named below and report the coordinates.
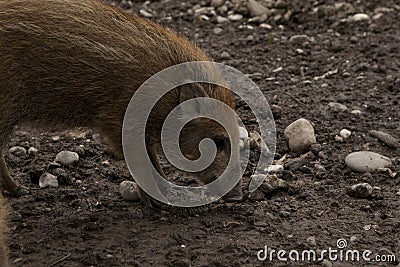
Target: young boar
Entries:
(67, 63)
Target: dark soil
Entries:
(86, 219)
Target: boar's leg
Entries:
(7, 183)
(3, 228)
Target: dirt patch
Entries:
(87, 220)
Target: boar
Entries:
(67, 64)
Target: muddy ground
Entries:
(85, 222)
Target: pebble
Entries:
(274, 168)
(359, 17)
(337, 107)
(235, 17)
(362, 190)
(277, 70)
(55, 138)
(48, 180)
(356, 112)
(32, 150)
(299, 39)
(145, 13)
(338, 138)
(266, 26)
(326, 263)
(312, 241)
(129, 191)
(386, 138)
(365, 161)
(221, 19)
(225, 55)
(345, 133)
(67, 158)
(18, 151)
(217, 3)
(217, 30)
(300, 135)
(244, 135)
(353, 238)
(256, 9)
(271, 183)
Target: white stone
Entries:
(364, 161)
(266, 26)
(129, 191)
(300, 135)
(221, 19)
(244, 135)
(356, 112)
(337, 107)
(235, 17)
(32, 150)
(67, 158)
(274, 168)
(345, 133)
(359, 17)
(48, 180)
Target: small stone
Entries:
(217, 30)
(337, 107)
(353, 238)
(301, 135)
(346, 74)
(356, 112)
(225, 55)
(362, 190)
(243, 134)
(55, 138)
(32, 150)
(277, 111)
(345, 133)
(299, 39)
(145, 13)
(48, 180)
(359, 17)
(266, 26)
(129, 191)
(221, 19)
(67, 158)
(277, 70)
(299, 51)
(274, 168)
(256, 9)
(18, 151)
(106, 163)
(235, 17)
(367, 227)
(338, 138)
(366, 161)
(326, 263)
(217, 3)
(272, 183)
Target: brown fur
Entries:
(71, 63)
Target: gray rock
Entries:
(129, 191)
(221, 19)
(365, 161)
(300, 135)
(344, 133)
(18, 151)
(257, 9)
(362, 190)
(337, 107)
(67, 158)
(48, 180)
(217, 30)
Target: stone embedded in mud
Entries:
(337, 107)
(129, 191)
(362, 190)
(48, 180)
(300, 135)
(67, 158)
(18, 151)
(365, 161)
